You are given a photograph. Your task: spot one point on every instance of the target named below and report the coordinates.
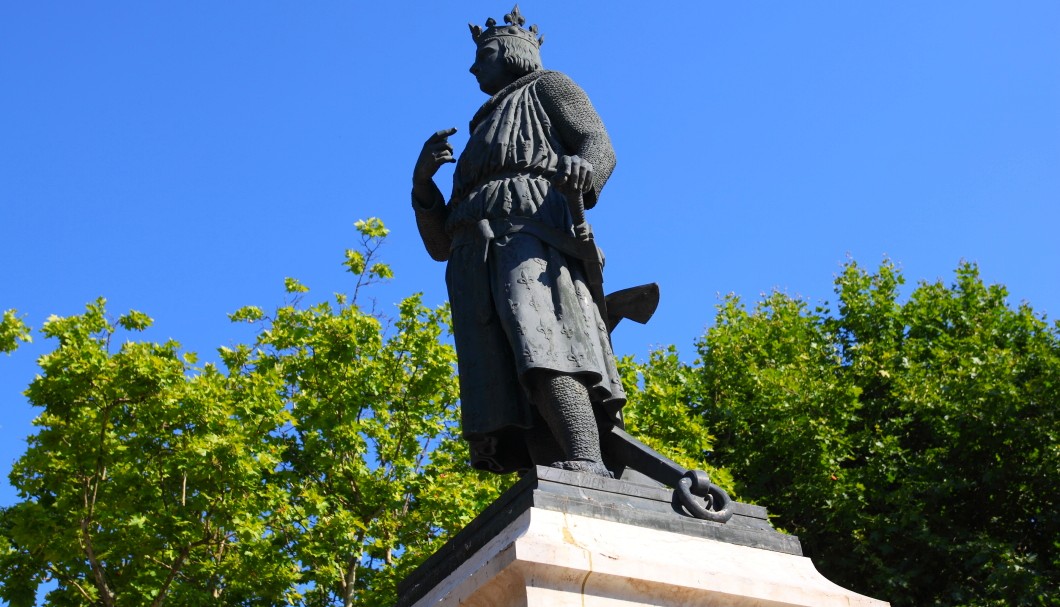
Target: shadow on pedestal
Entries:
(618, 501)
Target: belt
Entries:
(485, 231)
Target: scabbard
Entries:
(594, 266)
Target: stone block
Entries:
(561, 538)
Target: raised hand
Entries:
(436, 151)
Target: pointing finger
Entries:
(441, 135)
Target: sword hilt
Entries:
(576, 202)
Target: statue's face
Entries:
(489, 68)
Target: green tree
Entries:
(315, 467)
(374, 419)
(12, 331)
(912, 446)
(144, 483)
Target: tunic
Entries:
(519, 304)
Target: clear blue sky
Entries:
(183, 158)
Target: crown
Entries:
(514, 21)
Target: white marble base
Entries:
(554, 559)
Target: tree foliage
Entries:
(12, 331)
(313, 466)
(914, 447)
(141, 476)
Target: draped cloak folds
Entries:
(519, 304)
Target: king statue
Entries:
(534, 354)
(538, 383)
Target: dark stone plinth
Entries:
(595, 497)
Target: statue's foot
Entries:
(577, 465)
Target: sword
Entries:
(635, 303)
(593, 261)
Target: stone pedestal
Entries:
(560, 538)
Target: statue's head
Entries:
(505, 52)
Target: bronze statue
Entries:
(533, 349)
(538, 384)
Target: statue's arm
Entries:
(430, 219)
(579, 127)
(427, 200)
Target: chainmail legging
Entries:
(563, 402)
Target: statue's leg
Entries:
(543, 448)
(564, 403)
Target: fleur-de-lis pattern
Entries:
(547, 314)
